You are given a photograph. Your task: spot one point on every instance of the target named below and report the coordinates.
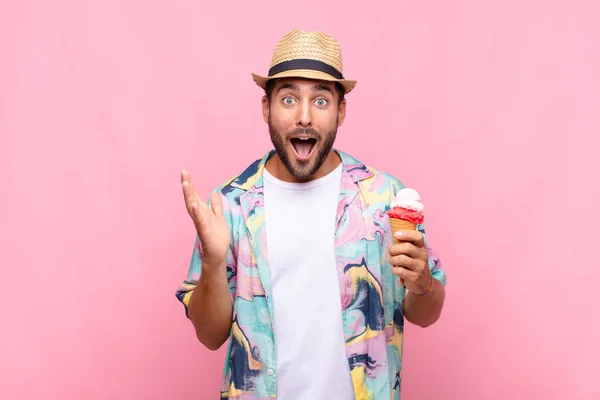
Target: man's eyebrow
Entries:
(322, 87)
(288, 86)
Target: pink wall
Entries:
(102, 104)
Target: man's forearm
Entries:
(425, 310)
(210, 308)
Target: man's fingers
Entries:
(405, 262)
(404, 256)
(199, 221)
(217, 204)
(189, 193)
(188, 189)
(404, 274)
(415, 237)
(404, 248)
(185, 176)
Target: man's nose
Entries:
(304, 116)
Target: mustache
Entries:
(304, 131)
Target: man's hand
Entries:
(409, 260)
(211, 226)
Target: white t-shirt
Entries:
(309, 341)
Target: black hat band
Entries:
(304, 63)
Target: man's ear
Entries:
(342, 112)
(265, 108)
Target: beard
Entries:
(302, 170)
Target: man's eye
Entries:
(321, 102)
(288, 101)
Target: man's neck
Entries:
(276, 168)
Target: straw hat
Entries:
(312, 55)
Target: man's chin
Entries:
(300, 168)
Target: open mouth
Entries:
(303, 146)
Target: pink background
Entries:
(492, 110)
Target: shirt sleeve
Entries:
(186, 288)
(435, 264)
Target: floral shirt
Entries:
(370, 294)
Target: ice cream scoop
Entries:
(408, 198)
(407, 206)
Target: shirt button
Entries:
(270, 372)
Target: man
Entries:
(294, 259)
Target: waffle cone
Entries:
(400, 225)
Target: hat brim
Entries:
(261, 81)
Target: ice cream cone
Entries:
(400, 225)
